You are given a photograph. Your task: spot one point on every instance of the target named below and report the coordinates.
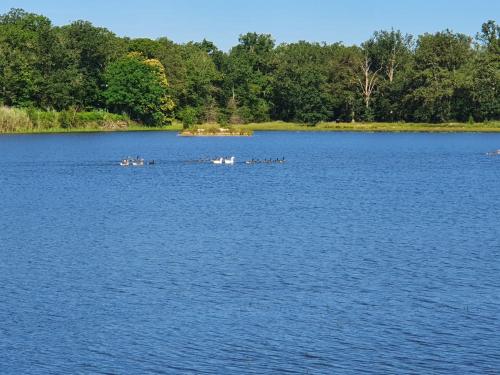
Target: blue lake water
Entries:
(363, 253)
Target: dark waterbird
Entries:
(135, 162)
(265, 161)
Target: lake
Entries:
(362, 253)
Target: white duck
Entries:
(218, 161)
(229, 161)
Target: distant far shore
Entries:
(246, 129)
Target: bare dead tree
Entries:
(392, 63)
(390, 49)
(232, 106)
(368, 79)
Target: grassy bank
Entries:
(19, 121)
(30, 120)
(97, 129)
(493, 126)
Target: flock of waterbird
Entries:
(232, 160)
(139, 162)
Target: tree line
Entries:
(392, 76)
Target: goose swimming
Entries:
(229, 161)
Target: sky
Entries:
(222, 21)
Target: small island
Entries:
(215, 130)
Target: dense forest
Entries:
(392, 76)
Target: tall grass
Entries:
(43, 120)
(14, 119)
(492, 126)
(21, 120)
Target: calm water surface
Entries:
(364, 253)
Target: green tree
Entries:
(139, 87)
(247, 75)
(489, 37)
(93, 49)
(300, 90)
(440, 83)
(188, 117)
(37, 68)
(343, 85)
(20, 69)
(390, 54)
(389, 51)
(486, 73)
(172, 58)
(201, 83)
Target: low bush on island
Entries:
(216, 130)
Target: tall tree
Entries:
(93, 48)
(247, 75)
(489, 37)
(440, 79)
(388, 51)
(21, 72)
(346, 100)
(300, 90)
(486, 73)
(201, 83)
(139, 87)
(367, 77)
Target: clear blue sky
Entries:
(221, 21)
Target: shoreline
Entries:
(490, 127)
